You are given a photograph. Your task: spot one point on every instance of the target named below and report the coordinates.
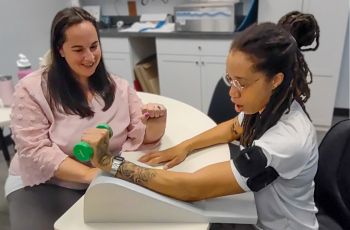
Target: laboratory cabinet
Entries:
(117, 57)
(189, 69)
(325, 62)
(121, 54)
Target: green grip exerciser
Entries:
(83, 151)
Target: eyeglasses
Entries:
(234, 82)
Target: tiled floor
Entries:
(4, 221)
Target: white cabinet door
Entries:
(189, 69)
(212, 69)
(117, 57)
(115, 45)
(119, 64)
(180, 78)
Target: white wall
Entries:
(25, 27)
(120, 7)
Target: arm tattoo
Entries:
(104, 157)
(105, 160)
(233, 128)
(135, 174)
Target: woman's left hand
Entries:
(154, 117)
(153, 110)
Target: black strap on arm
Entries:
(251, 162)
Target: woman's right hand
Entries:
(98, 139)
(169, 157)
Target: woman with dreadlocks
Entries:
(278, 158)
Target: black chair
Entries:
(332, 181)
(221, 107)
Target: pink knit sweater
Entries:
(44, 139)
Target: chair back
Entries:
(221, 107)
(332, 181)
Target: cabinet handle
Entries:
(202, 62)
(199, 48)
(197, 62)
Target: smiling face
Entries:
(81, 50)
(257, 88)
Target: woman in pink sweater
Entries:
(52, 108)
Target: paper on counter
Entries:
(153, 17)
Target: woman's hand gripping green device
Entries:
(83, 151)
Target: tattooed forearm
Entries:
(234, 128)
(103, 156)
(135, 174)
(105, 160)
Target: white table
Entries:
(183, 122)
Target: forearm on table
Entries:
(154, 179)
(74, 171)
(165, 182)
(181, 185)
(222, 133)
(155, 128)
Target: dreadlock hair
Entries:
(64, 92)
(276, 48)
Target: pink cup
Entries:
(6, 90)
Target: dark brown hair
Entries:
(276, 48)
(65, 92)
